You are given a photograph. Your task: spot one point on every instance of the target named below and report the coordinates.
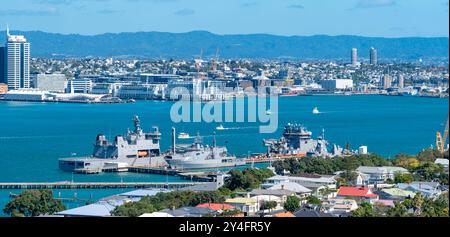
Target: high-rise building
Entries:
(401, 81)
(386, 82)
(2, 64)
(354, 56)
(373, 56)
(17, 61)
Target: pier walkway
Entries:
(98, 185)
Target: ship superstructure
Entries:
(135, 148)
(200, 156)
(298, 141)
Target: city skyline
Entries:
(377, 18)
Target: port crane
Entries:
(441, 140)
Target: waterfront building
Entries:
(150, 78)
(337, 84)
(386, 82)
(2, 64)
(362, 150)
(354, 56)
(51, 82)
(142, 91)
(3, 88)
(401, 81)
(17, 61)
(80, 85)
(373, 56)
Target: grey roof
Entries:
(380, 170)
(311, 213)
(212, 186)
(189, 212)
(298, 188)
(98, 209)
(275, 192)
(143, 192)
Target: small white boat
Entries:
(220, 127)
(268, 112)
(183, 136)
(316, 111)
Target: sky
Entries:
(385, 18)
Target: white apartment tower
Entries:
(17, 61)
(373, 56)
(354, 56)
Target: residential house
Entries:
(299, 189)
(339, 206)
(313, 182)
(249, 206)
(396, 194)
(427, 189)
(359, 194)
(376, 175)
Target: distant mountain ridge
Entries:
(263, 46)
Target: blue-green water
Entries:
(34, 135)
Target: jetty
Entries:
(98, 185)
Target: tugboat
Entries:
(200, 156)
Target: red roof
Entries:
(356, 192)
(216, 206)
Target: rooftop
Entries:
(356, 192)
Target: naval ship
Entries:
(200, 156)
(298, 141)
(135, 148)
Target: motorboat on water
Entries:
(268, 112)
(316, 111)
(183, 135)
(220, 127)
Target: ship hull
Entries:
(203, 164)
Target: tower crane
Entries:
(441, 140)
(215, 61)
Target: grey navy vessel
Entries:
(298, 141)
(200, 156)
(135, 148)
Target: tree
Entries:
(406, 161)
(399, 210)
(313, 200)
(33, 203)
(247, 179)
(292, 204)
(417, 203)
(403, 178)
(364, 210)
(269, 205)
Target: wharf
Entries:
(193, 176)
(98, 185)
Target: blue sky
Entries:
(388, 18)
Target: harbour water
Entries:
(34, 135)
